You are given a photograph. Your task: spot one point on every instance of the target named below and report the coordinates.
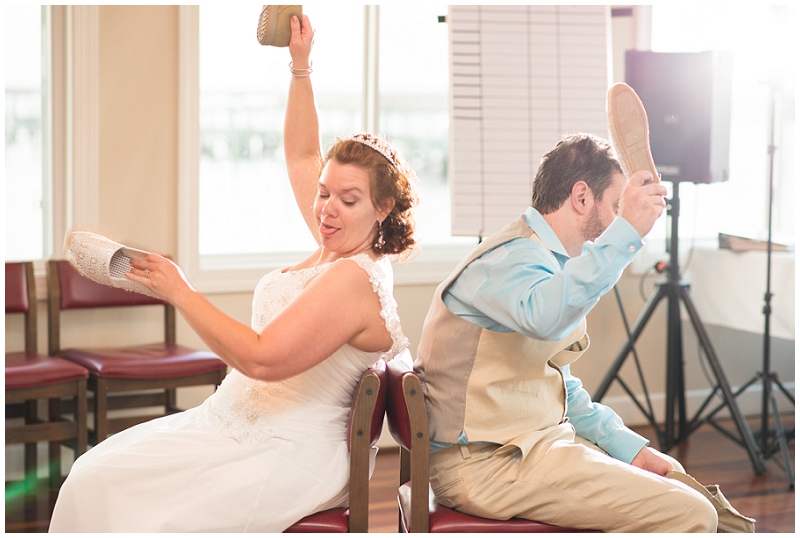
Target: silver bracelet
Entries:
(300, 73)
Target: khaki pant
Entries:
(564, 482)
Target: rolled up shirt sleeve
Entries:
(599, 424)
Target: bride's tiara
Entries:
(378, 144)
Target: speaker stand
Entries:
(676, 292)
(771, 441)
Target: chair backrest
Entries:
(408, 423)
(364, 429)
(21, 298)
(67, 289)
(369, 406)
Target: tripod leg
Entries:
(785, 392)
(612, 373)
(741, 424)
(779, 431)
(675, 393)
(648, 412)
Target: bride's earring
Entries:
(380, 242)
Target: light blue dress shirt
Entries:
(524, 286)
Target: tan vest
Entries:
(495, 386)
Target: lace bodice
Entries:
(316, 402)
(277, 289)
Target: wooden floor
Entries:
(708, 455)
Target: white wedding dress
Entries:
(255, 456)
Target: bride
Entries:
(269, 446)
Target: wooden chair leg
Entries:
(31, 449)
(100, 410)
(405, 476)
(54, 450)
(171, 401)
(81, 410)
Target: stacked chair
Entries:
(30, 378)
(131, 377)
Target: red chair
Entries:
(119, 376)
(419, 511)
(31, 377)
(364, 429)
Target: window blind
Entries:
(521, 77)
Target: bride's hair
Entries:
(391, 178)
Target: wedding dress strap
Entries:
(382, 279)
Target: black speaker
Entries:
(687, 96)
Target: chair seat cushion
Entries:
(26, 370)
(444, 519)
(151, 361)
(333, 520)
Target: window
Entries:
(246, 204)
(763, 64)
(27, 182)
(241, 203)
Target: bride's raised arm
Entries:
(301, 138)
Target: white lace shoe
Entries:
(274, 24)
(629, 130)
(100, 259)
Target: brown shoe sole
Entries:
(629, 130)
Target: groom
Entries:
(513, 433)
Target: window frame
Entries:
(72, 130)
(52, 104)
